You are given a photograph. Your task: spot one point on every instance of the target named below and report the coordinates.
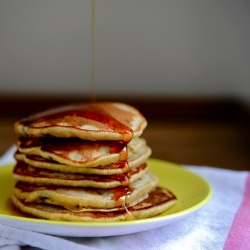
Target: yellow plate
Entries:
(191, 190)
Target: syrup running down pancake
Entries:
(86, 162)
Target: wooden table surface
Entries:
(210, 143)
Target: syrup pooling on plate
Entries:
(89, 111)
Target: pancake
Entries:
(88, 121)
(116, 168)
(86, 162)
(26, 173)
(157, 202)
(78, 199)
(77, 152)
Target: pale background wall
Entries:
(143, 47)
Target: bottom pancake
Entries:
(157, 202)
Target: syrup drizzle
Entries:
(93, 94)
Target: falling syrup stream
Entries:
(93, 92)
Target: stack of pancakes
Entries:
(86, 162)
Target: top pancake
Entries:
(89, 121)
